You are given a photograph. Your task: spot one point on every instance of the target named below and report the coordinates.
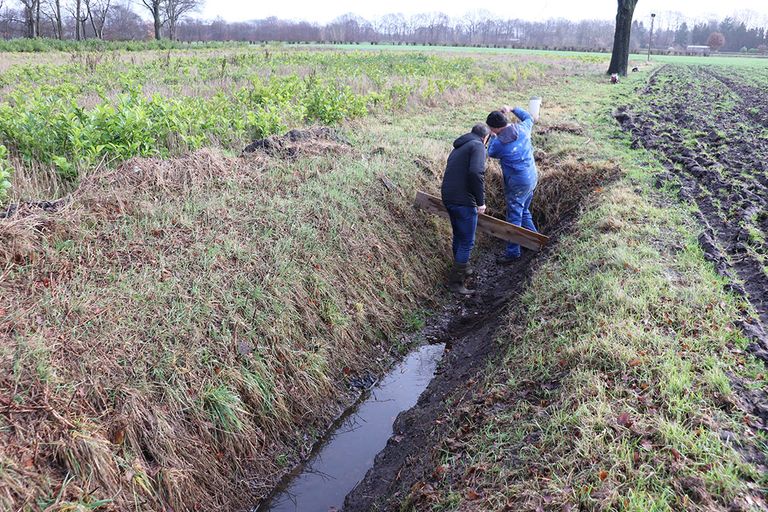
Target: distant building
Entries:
(693, 49)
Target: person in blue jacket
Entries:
(512, 146)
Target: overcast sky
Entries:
(326, 10)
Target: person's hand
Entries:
(481, 209)
(506, 109)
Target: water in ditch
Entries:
(342, 460)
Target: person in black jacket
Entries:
(463, 197)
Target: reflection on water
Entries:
(342, 461)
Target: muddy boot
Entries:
(456, 279)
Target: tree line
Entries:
(175, 19)
(99, 19)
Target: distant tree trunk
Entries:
(620, 56)
(78, 25)
(158, 23)
(37, 19)
(59, 28)
(97, 11)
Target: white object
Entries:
(534, 107)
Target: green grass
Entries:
(615, 382)
(639, 58)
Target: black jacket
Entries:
(465, 172)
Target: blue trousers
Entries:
(464, 224)
(519, 198)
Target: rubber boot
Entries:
(456, 279)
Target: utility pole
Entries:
(650, 38)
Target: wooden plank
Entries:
(487, 224)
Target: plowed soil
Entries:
(711, 125)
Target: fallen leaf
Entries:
(472, 495)
(119, 436)
(624, 420)
(603, 475)
(676, 454)
(440, 471)
(634, 362)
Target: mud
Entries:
(299, 142)
(468, 327)
(709, 126)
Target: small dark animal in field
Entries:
(635, 69)
(614, 78)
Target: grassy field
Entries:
(636, 59)
(622, 365)
(185, 321)
(178, 330)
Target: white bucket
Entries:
(534, 107)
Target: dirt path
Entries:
(469, 327)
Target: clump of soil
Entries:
(27, 208)
(300, 142)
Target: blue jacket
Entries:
(513, 147)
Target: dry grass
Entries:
(175, 322)
(562, 190)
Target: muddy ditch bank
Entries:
(720, 166)
(469, 328)
(465, 327)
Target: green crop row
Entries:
(6, 170)
(105, 108)
(90, 45)
(53, 129)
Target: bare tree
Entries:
(621, 38)
(175, 10)
(123, 23)
(52, 11)
(155, 8)
(31, 17)
(473, 22)
(80, 14)
(98, 11)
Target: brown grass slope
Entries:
(179, 318)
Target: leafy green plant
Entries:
(6, 171)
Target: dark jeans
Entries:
(519, 198)
(464, 224)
